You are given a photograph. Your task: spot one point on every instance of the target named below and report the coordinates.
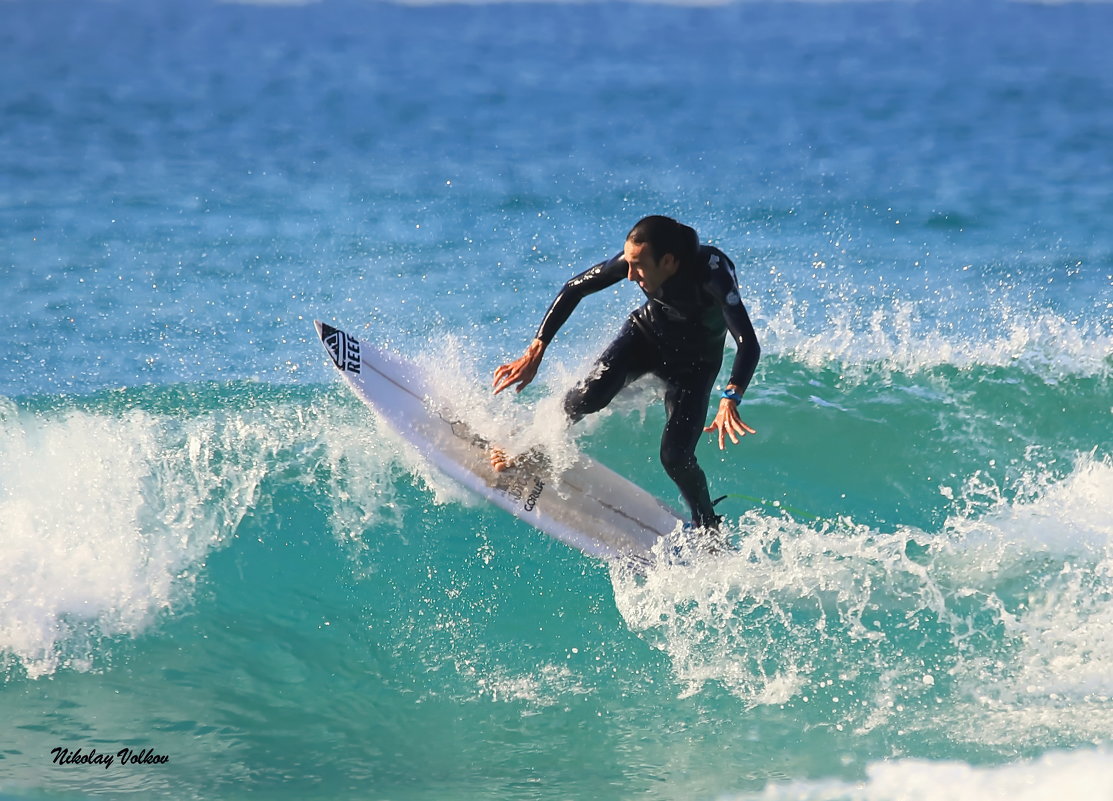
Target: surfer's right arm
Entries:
(522, 370)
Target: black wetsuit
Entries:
(678, 336)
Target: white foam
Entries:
(1085, 775)
(103, 518)
(107, 518)
(1059, 544)
(455, 375)
(901, 337)
(731, 618)
(1019, 592)
(363, 458)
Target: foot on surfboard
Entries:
(500, 459)
(532, 459)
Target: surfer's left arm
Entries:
(727, 422)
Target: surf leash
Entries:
(773, 505)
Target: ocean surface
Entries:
(222, 578)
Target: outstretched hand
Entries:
(728, 423)
(522, 370)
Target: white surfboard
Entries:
(587, 506)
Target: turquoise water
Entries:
(213, 552)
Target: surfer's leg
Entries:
(624, 360)
(686, 410)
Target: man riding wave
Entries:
(692, 301)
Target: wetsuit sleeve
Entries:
(724, 285)
(602, 275)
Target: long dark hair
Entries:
(666, 235)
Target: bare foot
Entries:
(500, 460)
(531, 460)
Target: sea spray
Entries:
(1084, 775)
(917, 196)
(861, 627)
(109, 510)
(105, 518)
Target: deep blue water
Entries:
(211, 550)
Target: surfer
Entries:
(692, 301)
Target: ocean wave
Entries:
(1006, 611)
(106, 520)
(110, 506)
(1085, 775)
(990, 627)
(902, 337)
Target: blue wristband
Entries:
(732, 394)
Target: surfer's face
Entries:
(646, 271)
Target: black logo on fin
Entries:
(343, 349)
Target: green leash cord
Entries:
(777, 505)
